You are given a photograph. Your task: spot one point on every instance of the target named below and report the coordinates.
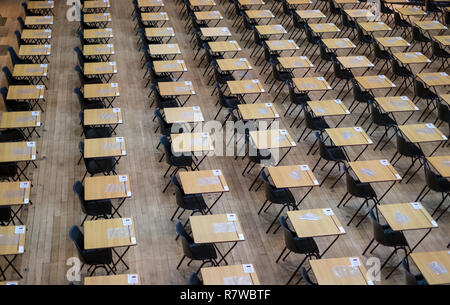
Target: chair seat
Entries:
(5, 214)
(413, 151)
(98, 207)
(443, 186)
(345, 74)
(385, 120)
(11, 135)
(99, 165)
(262, 154)
(282, 196)
(365, 97)
(97, 257)
(231, 101)
(21, 82)
(8, 170)
(17, 106)
(305, 246)
(300, 99)
(181, 161)
(194, 202)
(98, 132)
(337, 154)
(363, 190)
(283, 76)
(382, 54)
(203, 252)
(167, 103)
(319, 123)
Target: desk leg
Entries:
(198, 164)
(284, 156)
(364, 149)
(228, 252)
(116, 210)
(410, 251)
(120, 258)
(332, 243)
(435, 149)
(214, 203)
(14, 215)
(303, 198)
(392, 185)
(10, 264)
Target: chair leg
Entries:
(296, 270)
(281, 254)
(368, 246)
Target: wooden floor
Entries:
(155, 257)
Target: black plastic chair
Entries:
(380, 119)
(401, 24)
(22, 24)
(15, 59)
(8, 171)
(27, 11)
(195, 252)
(306, 277)
(225, 101)
(384, 235)
(381, 55)
(404, 73)
(94, 208)
(314, 41)
(443, 112)
(439, 53)
(347, 24)
(312, 123)
(407, 149)
(386, 12)
(356, 188)
(283, 77)
(421, 92)
(94, 132)
(12, 81)
(298, 245)
(329, 153)
(364, 40)
(97, 258)
(299, 25)
(194, 280)
(297, 99)
(360, 97)
(95, 166)
(87, 103)
(412, 279)
(12, 105)
(154, 77)
(179, 162)
(281, 196)
(165, 128)
(418, 37)
(325, 57)
(341, 74)
(5, 215)
(20, 41)
(335, 12)
(436, 183)
(86, 80)
(12, 135)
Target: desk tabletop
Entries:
(374, 171)
(251, 2)
(350, 62)
(435, 78)
(98, 49)
(104, 147)
(391, 42)
(97, 4)
(36, 5)
(292, 176)
(35, 50)
(310, 14)
(430, 25)
(234, 64)
(176, 88)
(282, 45)
(224, 46)
(38, 20)
(159, 32)
(420, 133)
(20, 119)
(109, 233)
(445, 98)
(374, 26)
(104, 116)
(410, 11)
(203, 182)
(12, 240)
(258, 111)
(107, 187)
(434, 266)
(101, 90)
(118, 279)
(295, 62)
(311, 84)
(26, 92)
(202, 3)
(271, 29)
(17, 151)
(230, 275)
(412, 58)
(274, 138)
(218, 228)
(441, 164)
(245, 86)
(443, 39)
(101, 17)
(164, 49)
(208, 15)
(348, 136)
(183, 114)
(324, 27)
(259, 14)
(359, 13)
(396, 104)
(98, 33)
(374, 82)
(98, 68)
(169, 66)
(407, 216)
(30, 70)
(315, 223)
(215, 32)
(15, 193)
(340, 271)
(338, 43)
(37, 34)
(150, 3)
(192, 142)
(328, 108)
(154, 16)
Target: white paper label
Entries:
(355, 261)
(127, 221)
(132, 278)
(20, 230)
(123, 178)
(328, 212)
(248, 268)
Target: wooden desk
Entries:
(104, 147)
(443, 39)
(224, 46)
(411, 58)
(359, 13)
(249, 3)
(155, 16)
(349, 136)
(160, 33)
(296, 3)
(268, 139)
(105, 116)
(98, 19)
(107, 187)
(338, 43)
(20, 119)
(421, 133)
(282, 45)
(92, 91)
(191, 142)
(350, 62)
(208, 15)
(295, 62)
(30, 71)
(15, 193)
(17, 151)
(242, 87)
(407, 216)
(34, 36)
(169, 66)
(176, 88)
(430, 25)
(374, 82)
(309, 14)
(292, 176)
(392, 104)
(326, 108)
(321, 28)
(120, 279)
(12, 242)
(315, 223)
(230, 275)
(110, 234)
(434, 266)
(104, 70)
(40, 5)
(215, 32)
(445, 98)
(183, 115)
(101, 52)
(26, 92)
(203, 182)
(164, 49)
(311, 84)
(340, 271)
(36, 53)
(371, 27)
(219, 228)
(9, 283)
(149, 5)
(392, 42)
(435, 78)
(38, 22)
(410, 11)
(270, 29)
(370, 171)
(441, 164)
(259, 14)
(234, 64)
(258, 111)
(96, 6)
(202, 3)
(98, 34)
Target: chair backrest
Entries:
(14, 58)
(375, 113)
(309, 119)
(8, 75)
(4, 93)
(21, 23)
(18, 37)
(77, 237)
(78, 189)
(186, 240)
(436, 50)
(80, 55)
(289, 234)
(432, 179)
(179, 193)
(410, 278)
(164, 140)
(304, 273)
(165, 127)
(194, 280)
(80, 75)
(443, 112)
